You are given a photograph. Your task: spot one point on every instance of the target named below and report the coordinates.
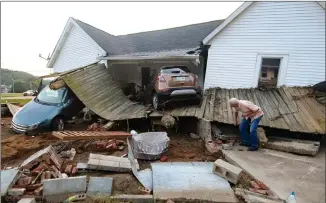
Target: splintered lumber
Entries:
(82, 135)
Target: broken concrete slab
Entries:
(64, 186)
(191, 181)
(252, 197)
(27, 200)
(82, 166)
(100, 186)
(134, 198)
(8, 179)
(283, 173)
(303, 147)
(145, 176)
(227, 171)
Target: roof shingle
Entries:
(185, 37)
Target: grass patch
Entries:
(11, 95)
(18, 101)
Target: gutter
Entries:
(132, 58)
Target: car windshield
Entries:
(51, 96)
(177, 69)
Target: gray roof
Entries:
(184, 37)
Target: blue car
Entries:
(47, 111)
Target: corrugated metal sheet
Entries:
(95, 87)
(286, 108)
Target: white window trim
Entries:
(282, 70)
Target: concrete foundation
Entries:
(284, 172)
(205, 130)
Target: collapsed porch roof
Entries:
(288, 108)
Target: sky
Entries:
(32, 28)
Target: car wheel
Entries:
(58, 124)
(155, 101)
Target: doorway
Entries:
(145, 76)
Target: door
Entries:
(145, 76)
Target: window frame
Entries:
(281, 72)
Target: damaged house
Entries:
(277, 47)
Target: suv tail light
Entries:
(160, 78)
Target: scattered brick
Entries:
(33, 186)
(68, 169)
(73, 170)
(262, 185)
(255, 185)
(164, 159)
(263, 192)
(38, 191)
(24, 181)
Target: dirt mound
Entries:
(18, 145)
(184, 148)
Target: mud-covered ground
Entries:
(15, 148)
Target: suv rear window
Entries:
(171, 70)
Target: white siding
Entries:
(78, 50)
(296, 29)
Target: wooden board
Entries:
(82, 135)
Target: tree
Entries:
(20, 86)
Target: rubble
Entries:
(213, 148)
(302, 147)
(262, 137)
(96, 127)
(252, 197)
(168, 121)
(69, 154)
(227, 146)
(194, 136)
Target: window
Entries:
(269, 72)
(49, 96)
(175, 69)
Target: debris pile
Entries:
(43, 165)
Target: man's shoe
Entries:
(252, 149)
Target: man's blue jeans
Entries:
(251, 140)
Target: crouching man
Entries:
(251, 115)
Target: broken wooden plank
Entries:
(13, 108)
(72, 135)
(109, 125)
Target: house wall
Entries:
(292, 29)
(78, 50)
(131, 73)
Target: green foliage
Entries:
(23, 81)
